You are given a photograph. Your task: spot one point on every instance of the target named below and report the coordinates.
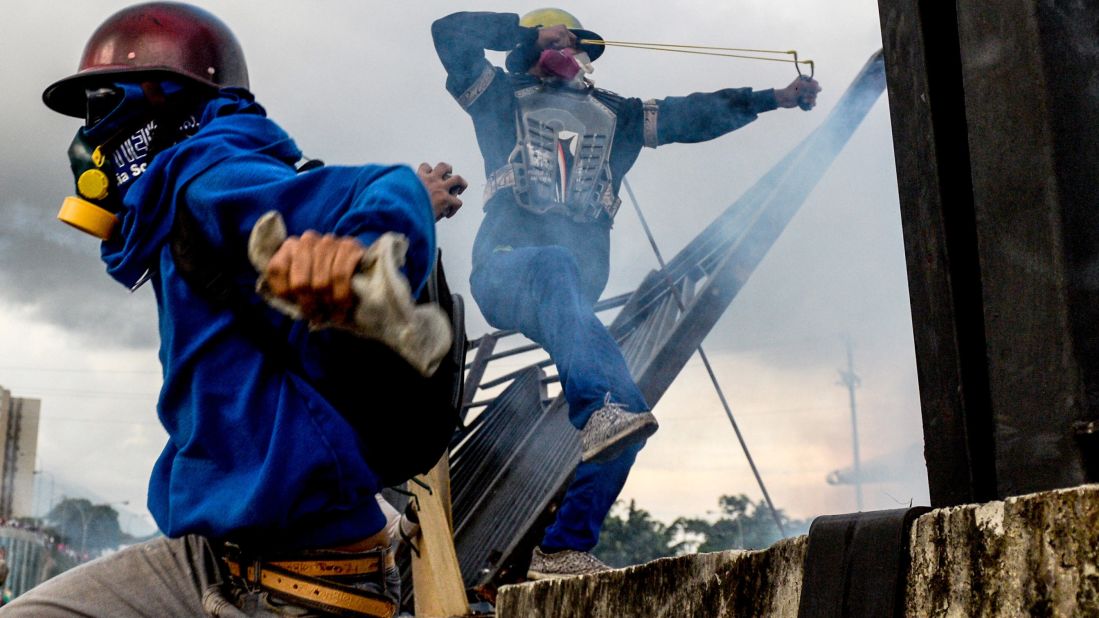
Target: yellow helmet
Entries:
(541, 18)
(549, 17)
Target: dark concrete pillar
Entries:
(996, 129)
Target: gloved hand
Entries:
(443, 188)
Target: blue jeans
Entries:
(537, 291)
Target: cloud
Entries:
(797, 425)
(52, 273)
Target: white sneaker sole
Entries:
(535, 576)
(615, 445)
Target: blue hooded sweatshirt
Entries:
(258, 452)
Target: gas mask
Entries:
(114, 147)
(569, 66)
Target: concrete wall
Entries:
(1035, 555)
(717, 585)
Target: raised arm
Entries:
(704, 116)
(462, 38)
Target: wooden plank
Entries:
(439, 591)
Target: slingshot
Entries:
(706, 50)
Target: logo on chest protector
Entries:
(566, 155)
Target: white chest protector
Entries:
(561, 160)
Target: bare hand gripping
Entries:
(383, 308)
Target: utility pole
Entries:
(849, 379)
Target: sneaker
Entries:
(612, 429)
(564, 563)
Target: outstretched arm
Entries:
(700, 117)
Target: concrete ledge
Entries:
(1035, 555)
(717, 585)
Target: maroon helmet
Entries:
(157, 39)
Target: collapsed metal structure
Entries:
(515, 451)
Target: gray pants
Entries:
(162, 578)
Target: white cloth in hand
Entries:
(384, 310)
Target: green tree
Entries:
(741, 524)
(86, 527)
(631, 536)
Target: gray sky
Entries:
(359, 82)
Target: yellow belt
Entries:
(298, 581)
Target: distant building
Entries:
(18, 446)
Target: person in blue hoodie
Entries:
(265, 490)
(556, 150)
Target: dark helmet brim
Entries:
(68, 96)
(153, 40)
(593, 51)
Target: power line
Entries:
(73, 370)
(25, 392)
(111, 421)
(759, 413)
